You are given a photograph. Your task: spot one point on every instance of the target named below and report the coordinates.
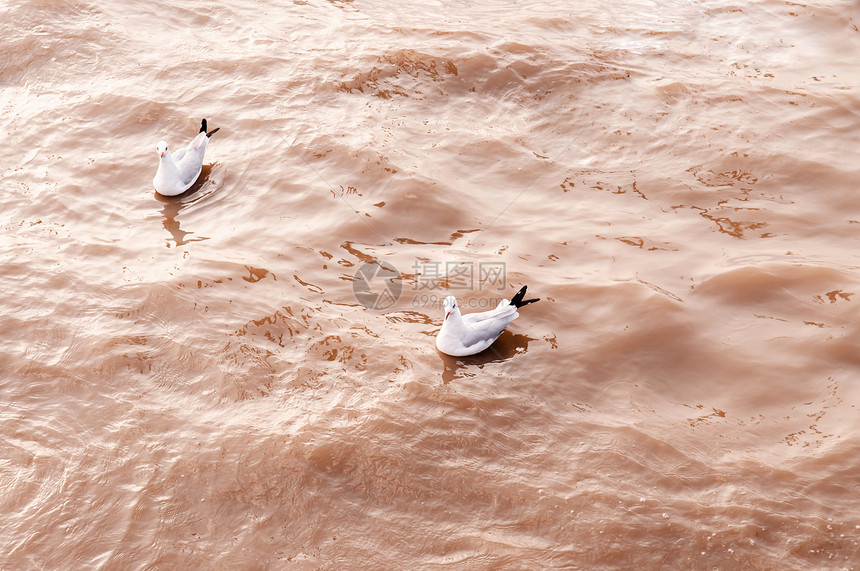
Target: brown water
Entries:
(193, 383)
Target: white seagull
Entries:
(178, 171)
(463, 335)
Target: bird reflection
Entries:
(173, 205)
(505, 347)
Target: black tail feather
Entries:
(517, 300)
(203, 129)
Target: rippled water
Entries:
(194, 383)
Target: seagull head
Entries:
(450, 305)
(161, 147)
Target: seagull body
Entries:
(463, 335)
(178, 171)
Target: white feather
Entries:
(178, 171)
(463, 335)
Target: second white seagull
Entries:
(463, 335)
(178, 171)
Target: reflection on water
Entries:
(505, 348)
(171, 224)
(173, 205)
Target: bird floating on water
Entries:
(178, 171)
(463, 335)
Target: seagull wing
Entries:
(485, 327)
(177, 156)
(189, 160)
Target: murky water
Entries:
(195, 383)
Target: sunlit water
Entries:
(194, 382)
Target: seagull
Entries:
(463, 335)
(177, 172)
